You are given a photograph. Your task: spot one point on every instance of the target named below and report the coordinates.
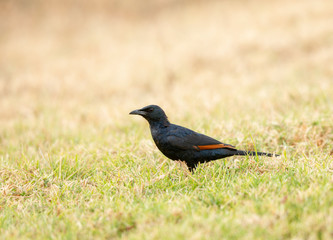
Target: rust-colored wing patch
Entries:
(216, 146)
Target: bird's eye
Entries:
(149, 109)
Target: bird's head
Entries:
(152, 113)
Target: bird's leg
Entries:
(191, 166)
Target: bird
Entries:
(182, 144)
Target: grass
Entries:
(255, 74)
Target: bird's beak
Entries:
(137, 112)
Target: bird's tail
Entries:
(251, 153)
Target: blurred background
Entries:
(91, 62)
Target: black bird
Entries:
(180, 143)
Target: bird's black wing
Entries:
(185, 139)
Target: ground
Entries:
(255, 74)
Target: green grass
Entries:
(80, 185)
(255, 74)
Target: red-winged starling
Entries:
(180, 143)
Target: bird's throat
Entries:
(163, 123)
